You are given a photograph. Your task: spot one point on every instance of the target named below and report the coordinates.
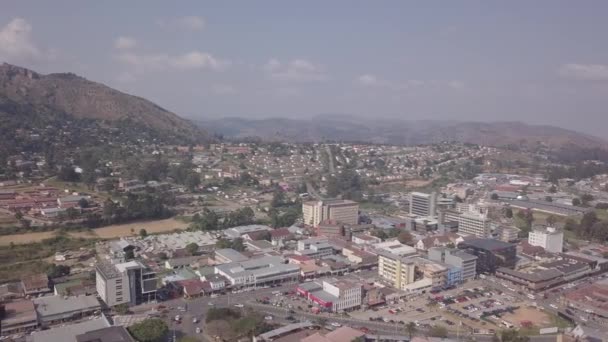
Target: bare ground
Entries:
(109, 232)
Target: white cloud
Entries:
(369, 80)
(123, 43)
(15, 40)
(188, 61)
(297, 70)
(125, 77)
(584, 72)
(191, 22)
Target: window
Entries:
(118, 281)
(119, 287)
(119, 293)
(119, 299)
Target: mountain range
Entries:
(28, 98)
(403, 132)
(28, 95)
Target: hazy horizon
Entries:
(539, 63)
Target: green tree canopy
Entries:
(149, 330)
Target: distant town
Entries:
(271, 241)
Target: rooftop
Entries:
(109, 334)
(57, 305)
(487, 244)
(19, 312)
(68, 332)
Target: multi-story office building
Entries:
(396, 270)
(348, 294)
(457, 258)
(344, 211)
(314, 248)
(422, 204)
(395, 247)
(549, 238)
(491, 254)
(507, 233)
(331, 228)
(473, 223)
(125, 283)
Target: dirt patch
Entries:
(6, 240)
(109, 232)
(533, 315)
(152, 227)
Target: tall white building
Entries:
(348, 294)
(549, 238)
(343, 211)
(474, 223)
(422, 204)
(125, 283)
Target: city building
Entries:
(395, 247)
(474, 223)
(20, 316)
(365, 239)
(35, 284)
(436, 272)
(314, 248)
(259, 271)
(228, 255)
(507, 233)
(56, 309)
(491, 254)
(422, 204)
(333, 295)
(125, 283)
(68, 333)
(466, 262)
(344, 211)
(396, 270)
(330, 228)
(549, 238)
(109, 334)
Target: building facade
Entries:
(422, 204)
(343, 211)
(125, 283)
(467, 263)
(473, 223)
(549, 238)
(491, 254)
(396, 270)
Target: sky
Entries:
(541, 62)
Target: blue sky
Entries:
(543, 62)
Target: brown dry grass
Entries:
(109, 232)
(537, 317)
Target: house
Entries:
(20, 316)
(35, 284)
(279, 236)
(436, 241)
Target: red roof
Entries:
(192, 286)
(279, 233)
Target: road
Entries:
(330, 159)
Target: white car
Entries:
(210, 304)
(268, 318)
(553, 306)
(178, 318)
(336, 324)
(198, 330)
(194, 320)
(239, 305)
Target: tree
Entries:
(494, 196)
(512, 335)
(192, 181)
(576, 202)
(192, 248)
(586, 198)
(548, 199)
(552, 189)
(18, 215)
(188, 339)
(278, 198)
(149, 330)
(438, 331)
(321, 321)
(58, 271)
(122, 309)
(509, 213)
(405, 238)
(83, 203)
(411, 329)
(551, 220)
(143, 233)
